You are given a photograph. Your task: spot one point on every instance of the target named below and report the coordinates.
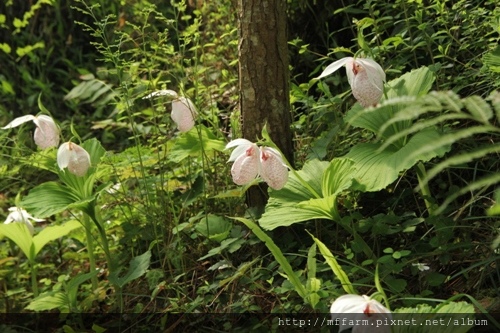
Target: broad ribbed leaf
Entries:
(53, 232)
(50, 300)
(338, 176)
(320, 208)
(377, 169)
(48, 199)
(283, 206)
(19, 234)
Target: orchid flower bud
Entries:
(46, 132)
(19, 215)
(75, 158)
(366, 78)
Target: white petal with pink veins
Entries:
(183, 113)
(46, 132)
(246, 166)
(273, 170)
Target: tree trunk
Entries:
(264, 78)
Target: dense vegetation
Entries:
(396, 201)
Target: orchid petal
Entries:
(18, 121)
(183, 113)
(164, 92)
(63, 156)
(335, 66)
(356, 307)
(241, 146)
(374, 71)
(46, 133)
(19, 215)
(73, 157)
(246, 167)
(273, 169)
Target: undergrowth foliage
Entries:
(393, 202)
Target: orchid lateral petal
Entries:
(273, 169)
(334, 66)
(246, 166)
(18, 121)
(241, 146)
(164, 92)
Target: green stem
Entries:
(34, 280)
(90, 249)
(107, 254)
(424, 187)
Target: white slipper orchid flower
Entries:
(75, 158)
(366, 78)
(46, 132)
(349, 310)
(19, 215)
(250, 162)
(183, 110)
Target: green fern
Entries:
(461, 119)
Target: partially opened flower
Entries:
(351, 310)
(183, 109)
(250, 161)
(46, 132)
(19, 215)
(365, 76)
(75, 158)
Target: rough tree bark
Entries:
(264, 78)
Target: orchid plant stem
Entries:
(34, 280)
(107, 254)
(424, 187)
(90, 249)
